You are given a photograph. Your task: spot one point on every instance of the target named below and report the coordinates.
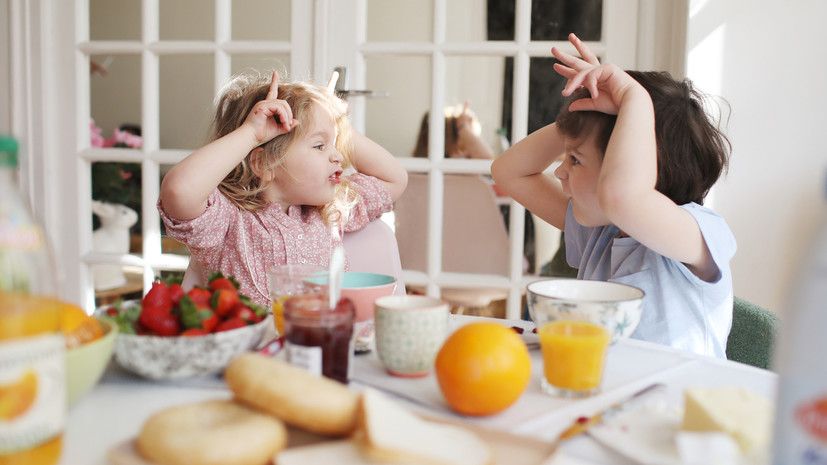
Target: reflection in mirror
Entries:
(186, 19)
(263, 63)
(120, 184)
(186, 99)
(411, 223)
(555, 20)
(393, 122)
(479, 79)
(115, 97)
(400, 21)
(261, 20)
(119, 20)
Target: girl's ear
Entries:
(257, 165)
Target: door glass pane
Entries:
(120, 20)
(118, 183)
(556, 19)
(411, 223)
(261, 20)
(467, 20)
(480, 80)
(186, 97)
(500, 19)
(263, 63)
(394, 121)
(186, 19)
(115, 98)
(400, 21)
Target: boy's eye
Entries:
(574, 160)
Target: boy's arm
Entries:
(519, 173)
(372, 159)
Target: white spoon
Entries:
(337, 271)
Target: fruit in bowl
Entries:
(614, 306)
(172, 334)
(364, 288)
(86, 363)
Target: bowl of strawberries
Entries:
(172, 333)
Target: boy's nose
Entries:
(560, 172)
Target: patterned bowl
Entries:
(616, 307)
(157, 357)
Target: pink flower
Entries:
(97, 139)
(124, 174)
(124, 139)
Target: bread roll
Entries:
(211, 433)
(309, 402)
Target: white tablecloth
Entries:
(117, 407)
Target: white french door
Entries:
(166, 59)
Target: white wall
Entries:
(766, 58)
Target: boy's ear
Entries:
(256, 164)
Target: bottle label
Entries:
(32, 391)
(16, 233)
(307, 357)
(812, 417)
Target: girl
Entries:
(269, 189)
(640, 155)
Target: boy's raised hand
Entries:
(606, 83)
(271, 117)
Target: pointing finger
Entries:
(331, 83)
(273, 93)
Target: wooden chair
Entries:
(372, 249)
(474, 237)
(753, 334)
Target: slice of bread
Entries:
(391, 433)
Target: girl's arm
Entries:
(626, 186)
(372, 159)
(185, 189)
(519, 173)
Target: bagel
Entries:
(297, 397)
(211, 433)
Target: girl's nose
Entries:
(561, 172)
(336, 157)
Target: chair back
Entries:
(753, 334)
(474, 237)
(371, 249)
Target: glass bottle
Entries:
(801, 412)
(32, 358)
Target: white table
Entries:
(117, 407)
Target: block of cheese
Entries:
(739, 412)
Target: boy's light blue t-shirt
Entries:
(680, 309)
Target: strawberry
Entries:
(230, 324)
(245, 313)
(158, 297)
(175, 293)
(223, 301)
(217, 280)
(200, 297)
(194, 317)
(159, 320)
(195, 332)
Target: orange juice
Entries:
(278, 313)
(32, 379)
(573, 355)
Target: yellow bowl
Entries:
(85, 364)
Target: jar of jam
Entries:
(317, 337)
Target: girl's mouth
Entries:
(334, 178)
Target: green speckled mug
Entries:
(410, 330)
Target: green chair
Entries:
(753, 334)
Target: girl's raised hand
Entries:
(606, 83)
(271, 117)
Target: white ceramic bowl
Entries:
(157, 357)
(616, 307)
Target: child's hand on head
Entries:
(606, 83)
(271, 117)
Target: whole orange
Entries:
(482, 368)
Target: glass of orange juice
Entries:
(293, 280)
(574, 353)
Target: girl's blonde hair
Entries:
(234, 103)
